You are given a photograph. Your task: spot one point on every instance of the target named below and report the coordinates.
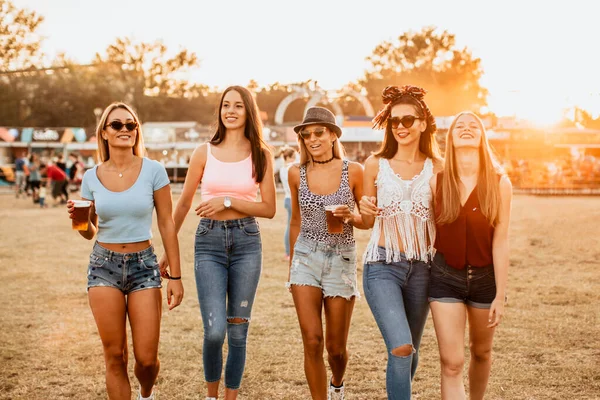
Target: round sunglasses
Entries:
(118, 125)
(407, 121)
(306, 134)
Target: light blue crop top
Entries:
(125, 217)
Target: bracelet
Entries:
(175, 278)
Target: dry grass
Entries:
(548, 346)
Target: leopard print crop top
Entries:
(312, 210)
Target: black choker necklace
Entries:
(324, 162)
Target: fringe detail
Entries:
(416, 234)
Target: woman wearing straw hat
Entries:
(323, 258)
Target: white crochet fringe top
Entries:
(406, 215)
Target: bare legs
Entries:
(450, 320)
(110, 309)
(309, 302)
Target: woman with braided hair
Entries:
(396, 202)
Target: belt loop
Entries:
(240, 223)
(210, 223)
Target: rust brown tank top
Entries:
(468, 239)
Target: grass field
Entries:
(548, 346)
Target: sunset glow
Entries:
(532, 69)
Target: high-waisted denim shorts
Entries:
(474, 286)
(128, 272)
(331, 268)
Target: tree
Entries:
(19, 43)
(148, 70)
(431, 60)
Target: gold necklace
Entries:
(121, 173)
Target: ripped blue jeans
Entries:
(397, 295)
(227, 264)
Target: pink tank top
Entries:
(233, 179)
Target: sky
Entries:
(539, 57)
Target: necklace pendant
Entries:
(120, 174)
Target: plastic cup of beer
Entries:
(334, 224)
(81, 214)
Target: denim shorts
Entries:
(331, 268)
(128, 272)
(473, 286)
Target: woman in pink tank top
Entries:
(228, 249)
(470, 268)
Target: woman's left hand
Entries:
(496, 312)
(210, 207)
(343, 212)
(174, 293)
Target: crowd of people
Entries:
(439, 242)
(569, 171)
(37, 178)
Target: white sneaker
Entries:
(147, 398)
(335, 393)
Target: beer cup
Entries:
(334, 224)
(81, 214)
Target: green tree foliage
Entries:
(431, 60)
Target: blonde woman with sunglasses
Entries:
(124, 280)
(397, 204)
(324, 189)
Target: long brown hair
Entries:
(488, 184)
(103, 152)
(253, 131)
(414, 96)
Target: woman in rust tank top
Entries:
(470, 268)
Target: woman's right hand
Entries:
(368, 206)
(163, 264)
(71, 208)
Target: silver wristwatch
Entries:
(227, 202)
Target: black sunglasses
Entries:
(118, 125)
(305, 134)
(407, 121)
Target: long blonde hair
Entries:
(488, 184)
(338, 149)
(103, 152)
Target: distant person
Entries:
(35, 177)
(41, 197)
(76, 170)
(278, 164)
(21, 172)
(56, 181)
(323, 261)
(470, 268)
(397, 204)
(289, 157)
(124, 280)
(228, 248)
(60, 162)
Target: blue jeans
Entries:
(397, 296)
(287, 203)
(227, 264)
